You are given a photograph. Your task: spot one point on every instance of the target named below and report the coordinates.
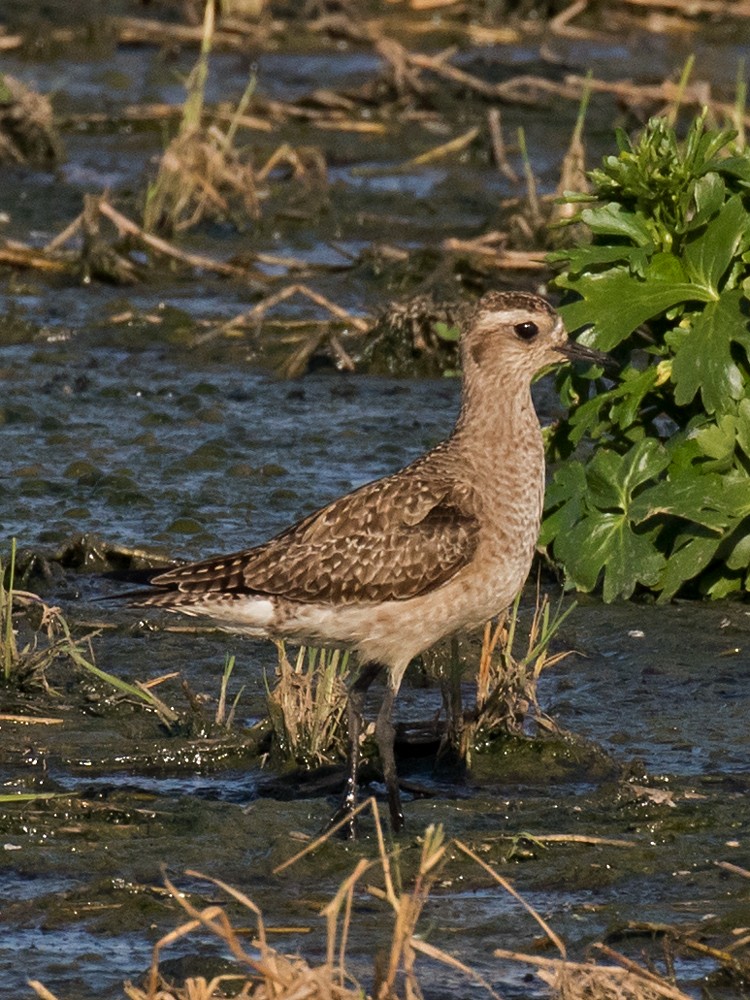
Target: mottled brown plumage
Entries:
(329, 556)
(444, 544)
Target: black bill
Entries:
(579, 352)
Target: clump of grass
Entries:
(203, 174)
(272, 974)
(507, 681)
(48, 638)
(307, 704)
(46, 635)
(27, 125)
(201, 171)
(507, 677)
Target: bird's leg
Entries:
(355, 705)
(384, 735)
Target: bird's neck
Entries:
(497, 417)
(499, 451)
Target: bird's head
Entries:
(517, 333)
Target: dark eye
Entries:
(526, 331)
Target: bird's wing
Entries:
(390, 540)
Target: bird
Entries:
(441, 546)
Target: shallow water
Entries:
(120, 430)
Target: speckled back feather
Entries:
(391, 539)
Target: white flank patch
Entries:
(256, 611)
(252, 615)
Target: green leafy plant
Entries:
(663, 502)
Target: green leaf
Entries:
(587, 418)
(690, 557)
(613, 220)
(685, 452)
(645, 460)
(667, 267)
(708, 256)
(584, 549)
(735, 494)
(618, 303)
(708, 194)
(703, 360)
(564, 498)
(618, 406)
(591, 541)
(717, 441)
(591, 257)
(633, 559)
(602, 476)
(743, 425)
(446, 332)
(689, 494)
(739, 555)
(604, 543)
(613, 478)
(628, 397)
(722, 585)
(736, 166)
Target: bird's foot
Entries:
(396, 811)
(344, 822)
(344, 818)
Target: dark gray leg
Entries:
(384, 734)
(354, 710)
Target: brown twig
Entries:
(31, 720)
(560, 24)
(696, 7)
(259, 310)
(160, 113)
(495, 255)
(458, 76)
(127, 227)
(15, 254)
(148, 31)
(735, 869)
(498, 145)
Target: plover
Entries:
(443, 545)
